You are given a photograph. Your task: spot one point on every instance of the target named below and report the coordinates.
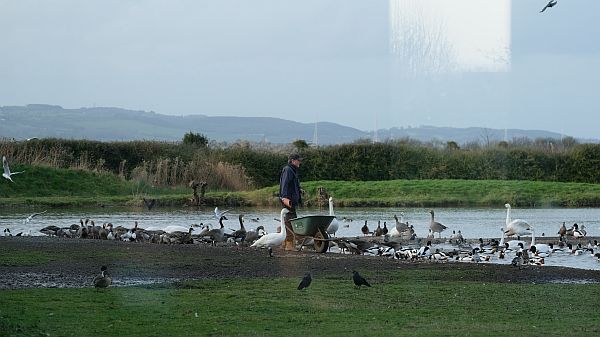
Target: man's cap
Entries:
(294, 156)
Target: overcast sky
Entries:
(309, 60)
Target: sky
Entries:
(361, 63)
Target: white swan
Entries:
(335, 224)
(516, 227)
(273, 239)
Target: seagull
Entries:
(7, 172)
(29, 218)
(552, 3)
(305, 281)
(219, 214)
(359, 280)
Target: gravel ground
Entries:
(73, 263)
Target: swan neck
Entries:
(331, 208)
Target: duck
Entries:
(435, 226)
(273, 239)
(335, 224)
(562, 231)
(516, 227)
(439, 256)
(540, 247)
(102, 280)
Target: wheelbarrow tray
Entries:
(310, 224)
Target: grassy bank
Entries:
(62, 187)
(412, 302)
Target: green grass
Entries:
(62, 187)
(404, 303)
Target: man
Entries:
(290, 195)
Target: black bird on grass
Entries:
(102, 280)
(305, 281)
(359, 280)
(552, 3)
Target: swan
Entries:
(175, 228)
(29, 218)
(516, 227)
(273, 239)
(335, 224)
(435, 226)
(251, 236)
(217, 234)
(7, 174)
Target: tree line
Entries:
(196, 158)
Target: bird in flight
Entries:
(305, 281)
(552, 3)
(29, 218)
(7, 174)
(220, 214)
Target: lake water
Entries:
(472, 222)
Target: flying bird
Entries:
(29, 218)
(359, 280)
(7, 172)
(305, 281)
(219, 214)
(552, 3)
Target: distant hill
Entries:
(115, 124)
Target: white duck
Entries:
(335, 224)
(273, 239)
(516, 227)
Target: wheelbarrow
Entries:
(313, 227)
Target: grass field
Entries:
(404, 303)
(62, 187)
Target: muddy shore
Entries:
(33, 262)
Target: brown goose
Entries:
(102, 280)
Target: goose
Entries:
(359, 280)
(50, 230)
(240, 234)
(7, 174)
(102, 280)
(435, 226)
(181, 237)
(401, 226)
(335, 224)
(384, 230)
(252, 236)
(516, 227)
(217, 234)
(562, 231)
(273, 239)
(365, 229)
(378, 231)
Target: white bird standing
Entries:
(219, 214)
(7, 174)
(516, 227)
(335, 224)
(273, 239)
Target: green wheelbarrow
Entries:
(313, 227)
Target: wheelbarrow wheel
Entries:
(321, 245)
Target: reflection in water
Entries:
(473, 223)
